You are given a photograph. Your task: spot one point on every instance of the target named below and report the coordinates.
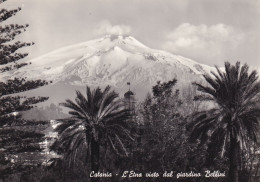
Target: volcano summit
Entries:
(112, 60)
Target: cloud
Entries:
(105, 27)
(202, 41)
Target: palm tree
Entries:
(233, 121)
(99, 118)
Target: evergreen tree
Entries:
(17, 136)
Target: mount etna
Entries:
(111, 60)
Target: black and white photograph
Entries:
(129, 91)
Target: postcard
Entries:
(129, 91)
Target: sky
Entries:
(207, 31)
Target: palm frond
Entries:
(234, 91)
(99, 116)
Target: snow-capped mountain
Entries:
(112, 60)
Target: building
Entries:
(129, 102)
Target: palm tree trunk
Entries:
(94, 158)
(233, 158)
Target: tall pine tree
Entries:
(17, 136)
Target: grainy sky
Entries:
(208, 31)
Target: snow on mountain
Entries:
(112, 60)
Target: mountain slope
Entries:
(113, 60)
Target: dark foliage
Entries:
(17, 135)
(232, 124)
(164, 140)
(98, 122)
